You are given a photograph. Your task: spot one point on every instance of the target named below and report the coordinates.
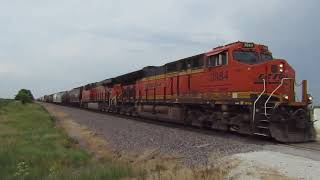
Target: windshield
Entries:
(246, 57)
(266, 57)
(250, 57)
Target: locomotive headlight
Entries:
(281, 70)
(310, 98)
(281, 65)
(286, 97)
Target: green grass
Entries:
(31, 147)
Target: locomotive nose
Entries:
(279, 66)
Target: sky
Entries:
(49, 46)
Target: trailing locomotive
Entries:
(237, 87)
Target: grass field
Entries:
(31, 147)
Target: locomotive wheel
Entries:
(291, 127)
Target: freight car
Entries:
(48, 98)
(237, 87)
(74, 96)
(60, 98)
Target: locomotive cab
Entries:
(273, 76)
(271, 84)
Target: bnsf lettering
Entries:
(270, 78)
(275, 77)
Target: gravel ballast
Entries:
(127, 135)
(253, 165)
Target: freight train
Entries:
(237, 87)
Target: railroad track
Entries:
(307, 146)
(310, 146)
(229, 134)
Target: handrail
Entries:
(254, 104)
(265, 104)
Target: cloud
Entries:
(8, 68)
(56, 45)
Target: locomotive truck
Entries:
(237, 87)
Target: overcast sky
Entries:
(49, 46)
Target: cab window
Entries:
(251, 57)
(218, 59)
(247, 57)
(266, 57)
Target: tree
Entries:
(25, 96)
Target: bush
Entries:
(25, 96)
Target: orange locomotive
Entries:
(238, 87)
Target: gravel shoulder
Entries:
(275, 165)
